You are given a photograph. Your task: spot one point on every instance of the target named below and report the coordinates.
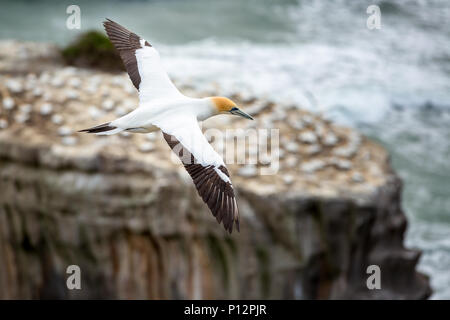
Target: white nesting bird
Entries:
(163, 107)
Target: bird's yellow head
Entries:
(226, 106)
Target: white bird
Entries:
(163, 107)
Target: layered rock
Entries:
(316, 210)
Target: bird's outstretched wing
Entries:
(142, 63)
(205, 166)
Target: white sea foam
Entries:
(348, 84)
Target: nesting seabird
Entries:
(163, 107)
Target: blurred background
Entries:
(392, 84)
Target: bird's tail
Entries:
(103, 129)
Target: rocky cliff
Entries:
(316, 210)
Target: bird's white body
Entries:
(147, 117)
(178, 117)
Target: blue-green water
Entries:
(392, 83)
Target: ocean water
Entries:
(391, 83)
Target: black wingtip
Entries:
(229, 227)
(108, 21)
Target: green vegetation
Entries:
(93, 50)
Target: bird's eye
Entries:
(233, 109)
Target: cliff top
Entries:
(43, 104)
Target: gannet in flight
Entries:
(163, 107)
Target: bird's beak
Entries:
(239, 112)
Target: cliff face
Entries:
(119, 208)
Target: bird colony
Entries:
(309, 153)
